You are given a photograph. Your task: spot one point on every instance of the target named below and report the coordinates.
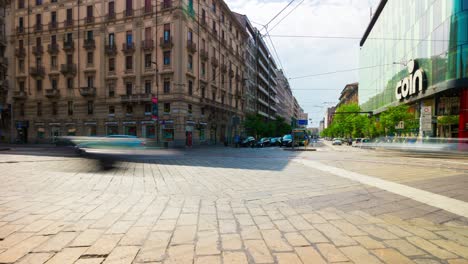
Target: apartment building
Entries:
(169, 70)
(264, 67)
(4, 106)
(285, 97)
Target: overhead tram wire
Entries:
(340, 71)
(279, 13)
(292, 10)
(353, 38)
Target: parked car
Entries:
(360, 141)
(337, 142)
(248, 142)
(286, 141)
(263, 142)
(275, 141)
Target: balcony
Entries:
(52, 93)
(53, 48)
(110, 16)
(166, 43)
(128, 48)
(19, 30)
(37, 50)
(223, 68)
(191, 46)
(20, 52)
(68, 69)
(88, 91)
(4, 85)
(148, 9)
(38, 28)
(166, 4)
(68, 46)
(231, 73)
(215, 32)
(3, 62)
(204, 55)
(147, 44)
(37, 71)
(128, 13)
(136, 98)
(111, 50)
(214, 62)
(53, 25)
(3, 39)
(89, 20)
(89, 44)
(68, 23)
(238, 77)
(19, 95)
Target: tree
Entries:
(256, 125)
(390, 119)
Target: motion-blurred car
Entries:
(248, 142)
(112, 141)
(275, 141)
(337, 142)
(263, 142)
(286, 141)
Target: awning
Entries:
(112, 123)
(129, 123)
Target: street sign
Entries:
(426, 118)
(154, 109)
(302, 122)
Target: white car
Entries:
(337, 142)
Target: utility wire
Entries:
(266, 25)
(292, 10)
(340, 71)
(350, 37)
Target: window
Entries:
(54, 83)
(213, 74)
(129, 39)
(213, 6)
(148, 60)
(128, 88)
(39, 85)
(147, 87)
(69, 15)
(54, 108)
(111, 9)
(167, 107)
(21, 86)
(167, 57)
(20, 24)
(203, 69)
(69, 59)
(203, 16)
(111, 39)
(53, 17)
(465, 5)
(190, 87)
(111, 110)
(203, 91)
(213, 96)
(190, 109)
(39, 108)
(89, 13)
(89, 35)
(90, 81)
(190, 36)
(21, 65)
(129, 8)
(148, 109)
(90, 107)
(111, 64)
(22, 109)
(20, 4)
(129, 110)
(70, 83)
(38, 2)
(111, 89)
(222, 17)
(167, 86)
(167, 32)
(38, 20)
(70, 108)
(129, 63)
(202, 111)
(190, 62)
(90, 58)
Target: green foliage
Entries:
(348, 123)
(390, 118)
(257, 126)
(448, 120)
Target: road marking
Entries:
(448, 204)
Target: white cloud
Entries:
(305, 56)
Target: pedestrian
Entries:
(236, 140)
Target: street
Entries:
(226, 205)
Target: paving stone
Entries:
(180, 254)
(231, 242)
(309, 255)
(68, 255)
(57, 242)
(154, 248)
(429, 247)
(335, 235)
(347, 228)
(368, 242)
(275, 241)
(21, 249)
(208, 260)
(391, 256)
(295, 239)
(122, 255)
(87, 238)
(331, 253)
(35, 258)
(314, 236)
(234, 258)
(89, 261)
(104, 245)
(259, 251)
(404, 247)
(184, 235)
(452, 247)
(14, 239)
(287, 258)
(359, 255)
(135, 236)
(250, 232)
(207, 243)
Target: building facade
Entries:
(99, 67)
(5, 112)
(416, 53)
(349, 95)
(285, 97)
(329, 114)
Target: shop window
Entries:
(130, 130)
(92, 131)
(202, 134)
(40, 133)
(112, 130)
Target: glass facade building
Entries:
(433, 34)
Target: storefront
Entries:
(22, 128)
(112, 128)
(55, 131)
(70, 129)
(189, 130)
(422, 62)
(130, 128)
(167, 129)
(90, 128)
(148, 129)
(201, 132)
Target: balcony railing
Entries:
(68, 23)
(3, 61)
(38, 28)
(214, 62)
(68, 69)
(111, 50)
(68, 46)
(147, 44)
(19, 95)
(148, 9)
(204, 54)
(88, 91)
(20, 30)
(89, 44)
(166, 43)
(20, 52)
(128, 48)
(110, 16)
(37, 50)
(89, 19)
(136, 98)
(191, 46)
(53, 48)
(37, 71)
(53, 25)
(231, 73)
(223, 68)
(52, 93)
(128, 12)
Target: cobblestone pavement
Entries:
(226, 205)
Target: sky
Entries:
(309, 56)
